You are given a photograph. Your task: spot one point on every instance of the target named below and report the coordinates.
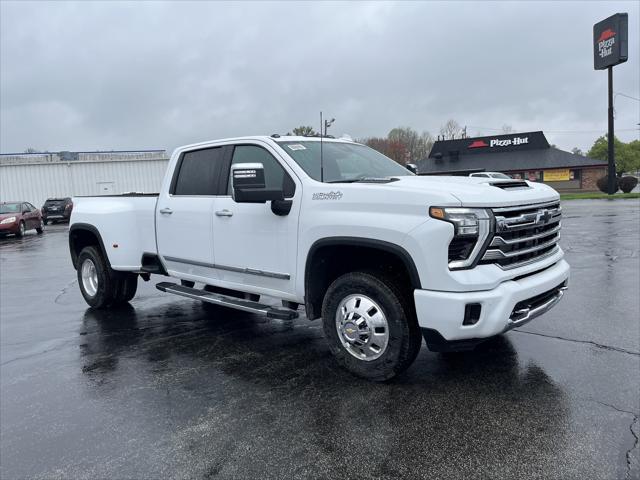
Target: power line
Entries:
(560, 132)
(627, 96)
(572, 132)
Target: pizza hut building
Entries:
(521, 155)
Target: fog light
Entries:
(471, 313)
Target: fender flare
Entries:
(365, 242)
(389, 247)
(94, 231)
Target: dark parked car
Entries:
(57, 209)
(18, 217)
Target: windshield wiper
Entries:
(346, 180)
(366, 180)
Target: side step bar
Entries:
(231, 302)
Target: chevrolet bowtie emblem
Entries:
(543, 217)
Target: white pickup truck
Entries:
(383, 256)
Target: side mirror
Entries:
(247, 182)
(412, 167)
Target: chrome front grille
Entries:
(524, 235)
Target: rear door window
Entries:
(198, 172)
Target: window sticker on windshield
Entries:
(297, 146)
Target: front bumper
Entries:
(9, 228)
(502, 308)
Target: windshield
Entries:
(342, 162)
(10, 208)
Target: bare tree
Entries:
(451, 130)
(402, 144)
(577, 151)
(408, 138)
(32, 150)
(506, 129)
(426, 142)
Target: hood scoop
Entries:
(511, 185)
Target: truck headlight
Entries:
(471, 231)
(8, 220)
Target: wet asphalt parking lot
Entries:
(164, 388)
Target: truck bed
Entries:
(130, 194)
(125, 222)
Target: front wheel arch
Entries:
(328, 258)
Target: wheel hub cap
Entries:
(89, 276)
(362, 327)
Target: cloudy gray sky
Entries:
(125, 75)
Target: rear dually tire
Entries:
(95, 278)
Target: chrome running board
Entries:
(226, 301)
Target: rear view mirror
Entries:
(412, 167)
(248, 186)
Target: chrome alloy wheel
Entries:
(89, 276)
(362, 327)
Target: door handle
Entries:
(166, 211)
(224, 213)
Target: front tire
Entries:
(97, 284)
(21, 230)
(40, 228)
(370, 325)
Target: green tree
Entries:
(304, 130)
(627, 155)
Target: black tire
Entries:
(21, 230)
(106, 283)
(404, 338)
(126, 286)
(40, 229)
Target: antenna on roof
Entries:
(321, 160)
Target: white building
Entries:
(37, 176)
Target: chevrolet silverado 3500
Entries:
(383, 256)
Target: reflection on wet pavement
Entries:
(168, 388)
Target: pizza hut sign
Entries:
(500, 142)
(610, 39)
(606, 42)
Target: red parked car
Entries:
(18, 217)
